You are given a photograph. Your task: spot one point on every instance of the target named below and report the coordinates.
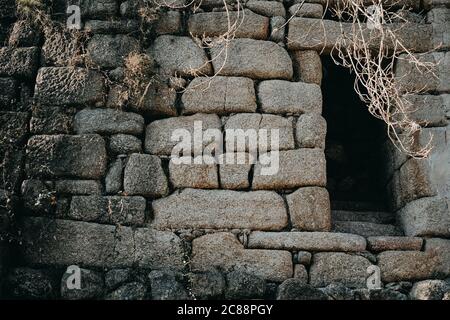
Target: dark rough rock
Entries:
(124, 144)
(26, 283)
(92, 286)
(167, 286)
(109, 51)
(207, 285)
(51, 120)
(129, 291)
(337, 291)
(295, 289)
(242, 285)
(82, 156)
(116, 277)
(24, 34)
(20, 62)
(37, 197)
(8, 94)
(13, 127)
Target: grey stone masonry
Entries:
(214, 24)
(220, 209)
(69, 86)
(82, 156)
(223, 250)
(110, 210)
(19, 62)
(297, 168)
(193, 175)
(310, 241)
(64, 243)
(283, 97)
(108, 121)
(255, 59)
(394, 243)
(109, 51)
(220, 95)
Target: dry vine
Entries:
(370, 49)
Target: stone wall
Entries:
(90, 182)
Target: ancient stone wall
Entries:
(87, 179)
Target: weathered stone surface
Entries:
(92, 286)
(415, 181)
(311, 241)
(124, 144)
(72, 86)
(311, 131)
(337, 291)
(235, 175)
(13, 127)
(8, 93)
(307, 66)
(255, 59)
(23, 34)
(378, 244)
(166, 286)
(301, 273)
(366, 229)
(193, 175)
(61, 48)
(426, 217)
(159, 133)
(64, 243)
(51, 120)
(304, 257)
(159, 99)
(267, 8)
(438, 15)
(130, 291)
(110, 210)
(109, 51)
(112, 26)
(169, 22)
(78, 187)
(145, 176)
(252, 210)
(114, 177)
(283, 97)
(99, 8)
(37, 196)
(207, 285)
(108, 121)
(117, 277)
(26, 283)
(410, 78)
(255, 122)
(406, 265)
(180, 55)
(7, 9)
(82, 156)
(428, 110)
(429, 290)
(243, 285)
(307, 10)
(309, 209)
(440, 250)
(350, 270)
(215, 24)
(297, 168)
(277, 29)
(220, 95)
(225, 251)
(295, 289)
(19, 62)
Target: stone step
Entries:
(363, 216)
(357, 206)
(366, 229)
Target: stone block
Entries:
(311, 131)
(19, 62)
(192, 175)
(109, 51)
(307, 66)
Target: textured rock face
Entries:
(309, 209)
(158, 136)
(224, 251)
(251, 210)
(202, 176)
(220, 95)
(394, 243)
(312, 241)
(64, 243)
(108, 121)
(180, 55)
(110, 51)
(69, 86)
(282, 97)
(297, 168)
(311, 131)
(20, 62)
(406, 265)
(144, 176)
(255, 59)
(214, 24)
(350, 270)
(82, 156)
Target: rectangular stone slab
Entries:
(64, 243)
(219, 209)
(310, 241)
(223, 250)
